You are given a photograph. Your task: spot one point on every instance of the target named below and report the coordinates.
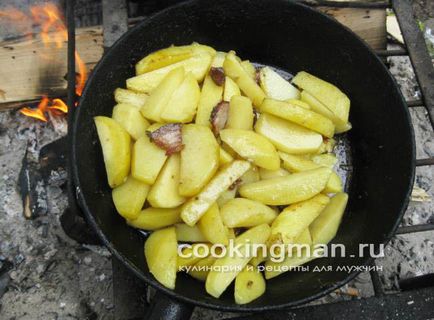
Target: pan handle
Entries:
(164, 308)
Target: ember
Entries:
(54, 35)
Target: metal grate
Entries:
(415, 48)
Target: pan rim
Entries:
(208, 304)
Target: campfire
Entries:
(54, 36)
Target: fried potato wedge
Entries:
(115, 143)
(130, 197)
(196, 207)
(240, 113)
(295, 163)
(303, 117)
(340, 125)
(286, 190)
(293, 220)
(182, 104)
(239, 213)
(252, 146)
(164, 57)
(231, 89)
(249, 285)
(160, 97)
(147, 160)
(147, 82)
(326, 159)
(299, 103)
(275, 86)
(226, 196)
(186, 233)
(274, 269)
(130, 119)
(252, 175)
(199, 158)
(156, 218)
(324, 228)
(287, 136)
(249, 68)
(270, 174)
(191, 255)
(245, 82)
(161, 253)
(224, 157)
(133, 98)
(212, 227)
(202, 268)
(210, 96)
(332, 97)
(164, 192)
(217, 281)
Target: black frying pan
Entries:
(292, 37)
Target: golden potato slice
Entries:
(333, 98)
(130, 119)
(217, 281)
(164, 192)
(299, 103)
(147, 82)
(224, 157)
(334, 184)
(186, 233)
(252, 175)
(147, 160)
(271, 174)
(286, 190)
(189, 258)
(275, 86)
(326, 160)
(252, 146)
(340, 125)
(240, 113)
(231, 89)
(327, 146)
(305, 118)
(183, 102)
(171, 55)
(297, 164)
(156, 218)
(304, 238)
(115, 143)
(196, 207)
(130, 197)
(293, 220)
(210, 96)
(160, 97)
(287, 136)
(249, 68)
(202, 268)
(135, 99)
(226, 196)
(325, 226)
(245, 82)
(239, 213)
(161, 253)
(273, 269)
(218, 60)
(249, 285)
(199, 158)
(212, 227)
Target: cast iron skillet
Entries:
(292, 37)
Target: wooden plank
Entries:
(368, 24)
(29, 70)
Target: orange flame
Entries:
(53, 32)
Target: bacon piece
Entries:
(217, 75)
(235, 184)
(168, 137)
(219, 117)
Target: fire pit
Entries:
(42, 266)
